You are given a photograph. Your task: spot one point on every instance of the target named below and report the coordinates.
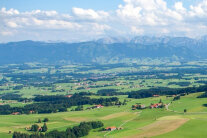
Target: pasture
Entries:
(38, 79)
(135, 123)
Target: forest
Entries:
(165, 91)
(75, 132)
(53, 104)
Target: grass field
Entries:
(158, 123)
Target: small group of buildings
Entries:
(110, 128)
(18, 113)
(30, 129)
(113, 128)
(138, 106)
(96, 107)
(156, 105)
(142, 106)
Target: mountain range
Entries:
(105, 50)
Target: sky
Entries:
(85, 20)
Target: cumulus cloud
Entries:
(133, 17)
(9, 12)
(89, 14)
(12, 24)
(179, 6)
(51, 25)
(199, 10)
(154, 17)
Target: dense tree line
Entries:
(205, 105)
(182, 84)
(110, 92)
(53, 104)
(13, 96)
(3, 81)
(165, 91)
(44, 79)
(36, 128)
(160, 73)
(18, 87)
(176, 98)
(81, 130)
(40, 98)
(204, 95)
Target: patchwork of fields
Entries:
(135, 123)
(19, 84)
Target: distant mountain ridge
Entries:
(104, 50)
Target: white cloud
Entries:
(129, 11)
(179, 6)
(37, 21)
(5, 33)
(51, 25)
(89, 14)
(9, 12)
(39, 12)
(12, 24)
(133, 17)
(156, 18)
(199, 10)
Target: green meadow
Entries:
(39, 79)
(159, 123)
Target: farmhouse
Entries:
(16, 113)
(68, 96)
(98, 106)
(110, 128)
(156, 95)
(157, 105)
(31, 112)
(138, 106)
(29, 129)
(95, 107)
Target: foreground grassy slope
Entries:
(195, 127)
(189, 102)
(138, 123)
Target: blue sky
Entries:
(83, 20)
(60, 5)
(66, 5)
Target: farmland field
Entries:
(185, 117)
(138, 123)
